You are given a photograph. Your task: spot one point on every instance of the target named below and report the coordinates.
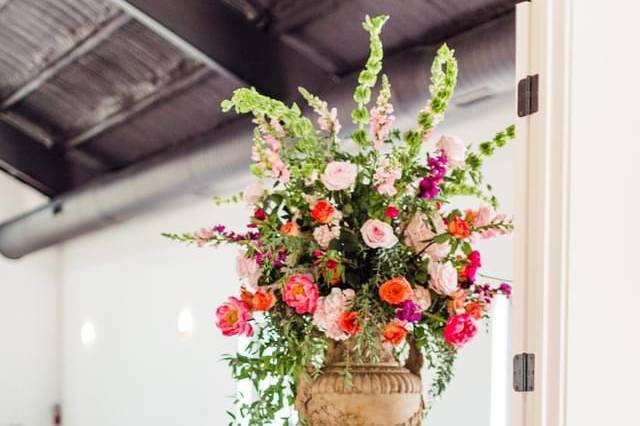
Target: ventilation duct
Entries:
(486, 59)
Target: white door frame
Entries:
(542, 208)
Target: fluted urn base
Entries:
(378, 394)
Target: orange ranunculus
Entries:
(456, 304)
(246, 296)
(395, 291)
(349, 322)
(322, 211)
(263, 300)
(394, 333)
(475, 309)
(290, 229)
(459, 228)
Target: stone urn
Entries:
(383, 393)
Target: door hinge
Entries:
(524, 369)
(528, 95)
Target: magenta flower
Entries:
(430, 184)
(505, 289)
(460, 329)
(408, 311)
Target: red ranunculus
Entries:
(349, 322)
(322, 211)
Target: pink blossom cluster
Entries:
(268, 156)
(385, 178)
(328, 312)
(381, 121)
(484, 220)
(328, 120)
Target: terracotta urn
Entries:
(382, 393)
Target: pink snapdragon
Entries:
(248, 269)
(460, 329)
(328, 312)
(385, 178)
(453, 148)
(328, 120)
(301, 293)
(381, 122)
(252, 193)
(233, 318)
(267, 156)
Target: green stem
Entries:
(435, 317)
(495, 278)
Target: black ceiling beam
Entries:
(32, 162)
(102, 32)
(226, 36)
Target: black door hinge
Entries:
(528, 95)
(524, 369)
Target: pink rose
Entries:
(422, 297)
(301, 293)
(453, 148)
(377, 234)
(233, 318)
(323, 235)
(248, 268)
(329, 310)
(443, 277)
(459, 330)
(339, 175)
(252, 193)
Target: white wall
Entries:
(29, 324)
(603, 349)
(132, 284)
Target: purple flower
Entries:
(437, 166)
(428, 188)
(409, 311)
(430, 184)
(505, 289)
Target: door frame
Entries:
(543, 47)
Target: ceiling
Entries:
(93, 87)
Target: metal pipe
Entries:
(486, 59)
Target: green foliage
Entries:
(468, 179)
(231, 199)
(369, 75)
(444, 77)
(246, 100)
(273, 363)
(439, 355)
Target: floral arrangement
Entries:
(355, 238)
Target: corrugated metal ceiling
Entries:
(99, 90)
